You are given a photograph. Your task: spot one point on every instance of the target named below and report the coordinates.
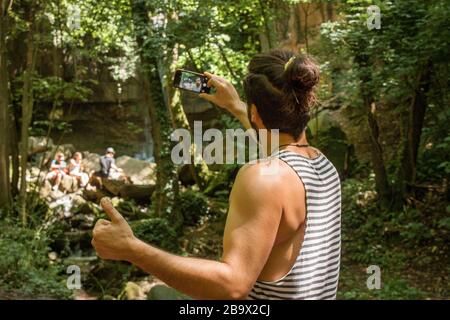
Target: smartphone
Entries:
(191, 81)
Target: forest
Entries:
(78, 77)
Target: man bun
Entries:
(301, 73)
(281, 85)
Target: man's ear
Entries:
(254, 116)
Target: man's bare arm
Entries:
(249, 236)
(226, 97)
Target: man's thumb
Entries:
(112, 213)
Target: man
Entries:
(282, 235)
(108, 168)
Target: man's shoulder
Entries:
(264, 174)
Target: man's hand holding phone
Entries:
(226, 97)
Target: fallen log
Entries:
(95, 195)
(137, 192)
(113, 186)
(38, 149)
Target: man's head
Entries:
(110, 152)
(198, 82)
(280, 91)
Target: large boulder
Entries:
(67, 149)
(140, 172)
(46, 189)
(91, 161)
(37, 144)
(40, 150)
(69, 184)
(163, 292)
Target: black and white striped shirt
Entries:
(315, 273)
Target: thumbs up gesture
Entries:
(113, 239)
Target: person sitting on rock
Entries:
(108, 168)
(58, 170)
(76, 169)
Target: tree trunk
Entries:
(419, 106)
(266, 38)
(199, 169)
(411, 133)
(330, 11)
(163, 197)
(306, 11)
(27, 109)
(14, 152)
(5, 187)
(381, 178)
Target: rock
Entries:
(132, 291)
(163, 292)
(78, 200)
(67, 149)
(39, 150)
(56, 194)
(91, 161)
(64, 203)
(140, 171)
(69, 184)
(36, 143)
(45, 189)
(52, 255)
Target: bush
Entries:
(24, 264)
(193, 205)
(158, 232)
(55, 231)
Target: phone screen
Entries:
(191, 81)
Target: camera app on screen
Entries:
(191, 82)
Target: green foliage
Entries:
(24, 265)
(193, 205)
(392, 288)
(371, 235)
(55, 230)
(158, 232)
(107, 278)
(396, 289)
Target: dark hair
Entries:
(281, 86)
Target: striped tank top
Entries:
(315, 273)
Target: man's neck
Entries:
(284, 139)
